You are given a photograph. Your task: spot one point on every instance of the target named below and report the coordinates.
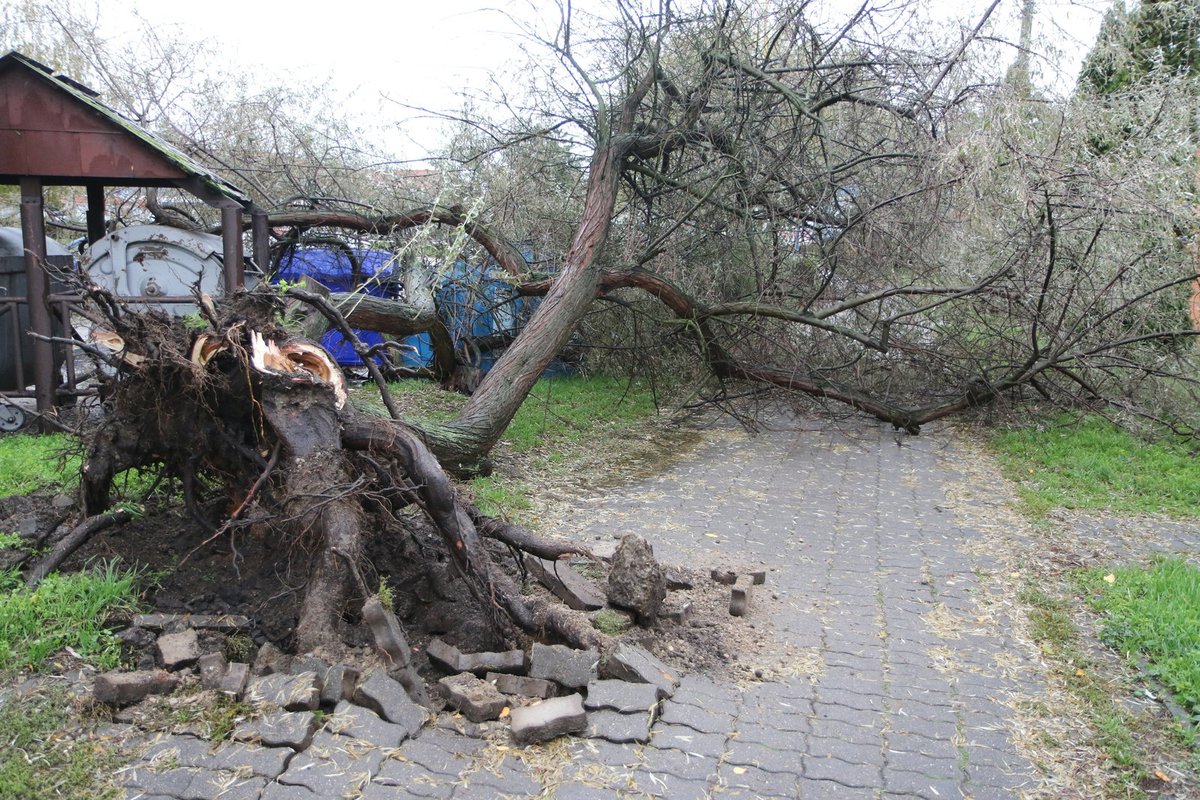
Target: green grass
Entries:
(63, 611)
(38, 761)
(567, 410)
(35, 463)
(1096, 466)
(1153, 613)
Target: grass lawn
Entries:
(1153, 614)
(1094, 465)
(33, 463)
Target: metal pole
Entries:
(231, 234)
(33, 232)
(262, 239)
(96, 227)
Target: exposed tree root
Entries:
(246, 411)
(73, 541)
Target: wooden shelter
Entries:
(55, 131)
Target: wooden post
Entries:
(261, 238)
(96, 227)
(33, 232)
(231, 235)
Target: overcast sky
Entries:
(423, 53)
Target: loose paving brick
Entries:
(178, 650)
(474, 697)
(567, 584)
(549, 719)
(522, 685)
(124, 688)
(630, 663)
(574, 669)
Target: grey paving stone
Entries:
(279, 791)
(388, 698)
(364, 724)
(574, 669)
(445, 755)
(598, 751)
(743, 781)
(548, 719)
(645, 783)
(184, 751)
(419, 785)
(697, 719)
(979, 776)
(630, 663)
(292, 729)
(768, 736)
(172, 782)
(474, 697)
(618, 728)
(292, 692)
(687, 739)
(413, 778)
(855, 775)
(820, 747)
(911, 743)
(225, 786)
(333, 766)
(833, 711)
(267, 762)
(920, 785)
(944, 728)
(509, 778)
(845, 732)
(680, 764)
(816, 789)
(621, 696)
(925, 765)
(765, 758)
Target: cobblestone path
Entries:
(886, 670)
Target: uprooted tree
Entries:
(859, 222)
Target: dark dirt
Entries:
(261, 574)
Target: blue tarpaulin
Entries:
(476, 302)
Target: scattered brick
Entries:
(178, 650)
(559, 663)
(566, 583)
(125, 688)
(629, 663)
(212, 670)
(476, 699)
(741, 596)
(549, 719)
(521, 685)
(444, 656)
(235, 679)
